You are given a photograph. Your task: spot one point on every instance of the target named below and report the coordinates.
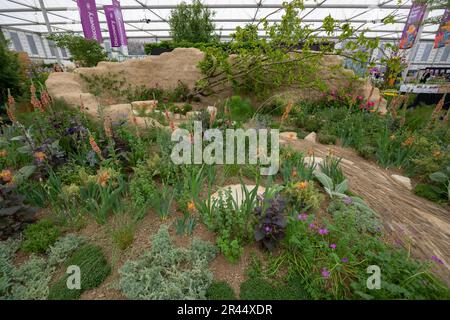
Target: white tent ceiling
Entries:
(64, 16)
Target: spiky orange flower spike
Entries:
(46, 100)
(35, 101)
(287, 111)
(95, 147)
(212, 118)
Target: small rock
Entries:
(404, 181)
(309, 161)
(192, 114)
(236, 192)
(211, 109)
(312, 137)
(288, 135)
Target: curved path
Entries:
(416, 223)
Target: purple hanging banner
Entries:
(120, 23)
(89, 20)
(111, 20)
(443, 35)
(412, 26)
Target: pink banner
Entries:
(412, 26)
(120, 23)
(89, 20)
(111, 20)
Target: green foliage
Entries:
(220, 291)
(260, 289)
(232, 223)
(327, 138)
(293, 167)
(192, 23)
(11, 73)
(167, 272)
(331, 167)
(94, 269)
(87, 52)
(428, 192)
(64, 247)
(303, 195)
(240, 109)
(123, 236)
(40, 236)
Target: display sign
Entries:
(120, 23)
(443, 34)
(412, 26)
(111, 20)
(89, 20)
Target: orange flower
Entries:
(103, 178)
(6, 175)
(294, 173)
(11, 101)
(437, 154)
(40, 156)
(35, 101)
(287, 111)
(191, 206)
(3, 153)
(46, 100)
(212, 118)
(95, 147)
(302, 185)
(409, 141)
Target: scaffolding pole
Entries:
(49, 29)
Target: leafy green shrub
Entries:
(94, 269)
(303, 195)
(327, 138)
(40, 236)
(428, 192)
(312, 124)
(260, 289)
(293, 167)
(87, 52)
(64, 247)
(220, 291)
(367, 152)
(167, 272)
(11, 76)
(240, 109)
(123, 236)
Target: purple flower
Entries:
(347, 200)
(437, 259)
(302, 217)
(325, 273)
(344, 260)
(323, 231)
(267, 229)
(312, 225)
(333, 246)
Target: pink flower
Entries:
(333, 246)
(325, 273)
(312, 225)
(344, 260)
(323, 231)
(437, 259)
(302, 217)
(360, 97)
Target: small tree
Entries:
(192, 23)
(85, 51)
(11, 72)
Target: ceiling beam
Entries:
(221, 6)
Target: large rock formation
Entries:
(167, 70)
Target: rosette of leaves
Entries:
(272, 221)
(14, 214)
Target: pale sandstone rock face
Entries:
(312, 137)
(167, 70)
(310, 161)
(404, 181)
(236, 192)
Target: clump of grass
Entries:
(40, 236)
(94, 269)
(220, 290)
